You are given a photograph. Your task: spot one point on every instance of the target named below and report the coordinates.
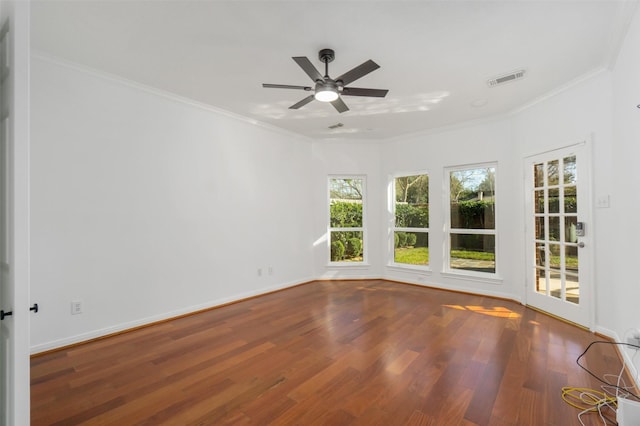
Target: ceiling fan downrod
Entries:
(326, 56)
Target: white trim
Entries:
(347, 265)
(498, 118)
(559, 149)
(161, 93)
(506, 115)
(559, 90)
(626, 355)
(479, 277)
(440, 286)
(83, 337)
(408, 267)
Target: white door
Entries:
(14, 215)
(559, 233)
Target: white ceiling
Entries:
(435, 56)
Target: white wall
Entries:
(432, 153)
(581, 113)
(145, 207)
(624, 280)
(342, 157)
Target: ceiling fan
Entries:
(327, 89)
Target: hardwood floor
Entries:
(335, 353)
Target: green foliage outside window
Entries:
(346, 246)
(345, 214)
(412, 216)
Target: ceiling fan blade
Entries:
(308, 67)
(357, 91)
(302, 102)
(358, 72)
(284, 86)
(340, 105)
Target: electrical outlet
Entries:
(270, 270)
(259, 272)
(76, 307)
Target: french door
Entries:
(559, 233)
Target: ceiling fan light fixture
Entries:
(326, 93)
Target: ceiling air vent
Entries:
(512, 76)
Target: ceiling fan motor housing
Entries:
(326, 55)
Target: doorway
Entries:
(558, 235)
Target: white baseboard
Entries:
(118, 328)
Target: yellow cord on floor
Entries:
(586, 399)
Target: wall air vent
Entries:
(336, 126)
(506, 78)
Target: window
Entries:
(472, 219)
(346, 219)
(411, 220)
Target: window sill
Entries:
(409, 268)
(348, 265)
(481, 278)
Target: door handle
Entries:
(581, 244)
(4, 314)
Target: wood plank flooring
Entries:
(328, 353)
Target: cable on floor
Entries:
(595, 401)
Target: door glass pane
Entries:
(570, 229)
(552, 172)
(554, 201)
(538, 201)
(411, 248)
(554, 256)
(539, 227)
(571, 259)
(570, 200)
(555, 284)
(541, 255)
(570, 170)
(571, 276)
(538, 175)
(573, 289)
(541, 281)
(554, 228)
(473, 252)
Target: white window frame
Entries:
(392, 223)
(448, 231)
(362, 229)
